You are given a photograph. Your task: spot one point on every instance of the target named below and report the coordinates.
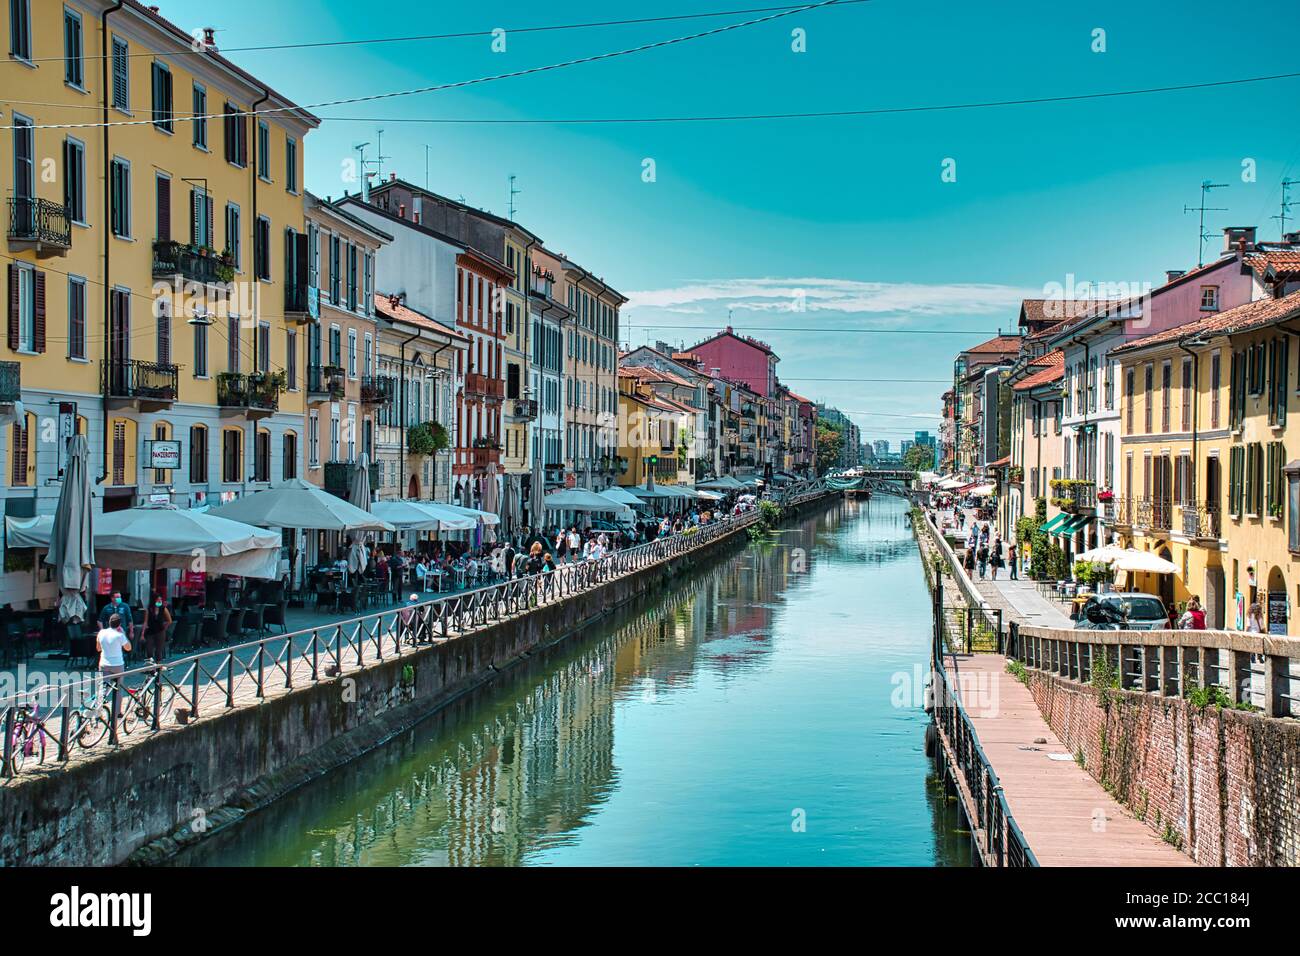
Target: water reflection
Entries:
(697, 727)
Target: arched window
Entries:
(290, 464)
(262, 456)
(162, 431)
(198, 455)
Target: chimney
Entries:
(209, 37)
(401, 211)
(1291, 238)
(1238, 238)
(394, 300)
(1172, 274)
(392, 177)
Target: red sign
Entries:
(570, 480)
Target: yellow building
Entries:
(1204, 476)
(148, 259)
(648, 432)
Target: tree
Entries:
(919, 458)
(830, 443)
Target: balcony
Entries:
(484, 387)
(1153, 514)
(522, 409)
(1073, 495)
(301, 303)
(480, 458)
(11, 383)
(146, 386)
(194, 264)
(39, 225)
(377, 391)
(325, 383)
(338, 477)
(251, 396)
(1201, 521)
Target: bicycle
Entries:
(89, 722)
(27, 739)
(138, 702)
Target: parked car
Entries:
(1126, 611)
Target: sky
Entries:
(804, 232)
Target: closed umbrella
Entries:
(359, 495)
(490, 502)
(536, 493)
(72, 543)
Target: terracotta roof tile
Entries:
(1243, 318)
(999, 344)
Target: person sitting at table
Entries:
(422, 574)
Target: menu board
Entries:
(1277, 612)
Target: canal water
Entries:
(762, 711)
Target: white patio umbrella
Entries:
(164, 536)
(300, 504)
(478, 514)
(1133, 560)
(580, 499)
(359, 495)
(621, 496)
(72, 544)
(1104, 554)
(644, 492)
(413, 516)
(449, 517)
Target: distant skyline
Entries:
(815, 226)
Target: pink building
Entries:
(740, 359)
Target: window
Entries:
(121, 75)
(232, 452)
(232, 343)
(262, 248)
(20, 453)
(20, 29)
(289, 468)
(162, 313)
(1209, 298)
(262, 456)
(336, 347)
(1092, 385)
(24, 162)
(263, 344)
(120, 204)
(76, 317)
(26, 309)
(236, 136)
(199, 108)
(291, 165)
(368, 294)
(367, 357)
(1148, 410)
(1187, 395)
(161, 432)
(73, 62)
(352, 353)
(198, 455)
(335, 270)
(352, 277)
(291, 360)
(263, 150)
(74, 179)
(162, 97)
(201, 348)
(233, 247)
(201, 215)
(1216, 376)
(313, 440)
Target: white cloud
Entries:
(844, 296)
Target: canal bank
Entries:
(758, 711)
(145, 800)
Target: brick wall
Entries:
(1223, 786)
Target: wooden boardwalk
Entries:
(1067, 817)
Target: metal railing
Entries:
(1004, 843)
(93, 713)
(39, 220)
(377, 390)
(1257, 672)
(154, 381)
(1155, 514)
(257, 391)
(1201, 520)
(11, 382)
(177, 259)
(325, 380)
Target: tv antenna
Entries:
(1206, 186)
(513, 193)
(1287, 203)
(382, 156)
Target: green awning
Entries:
(1072, 524)
(1052, 524)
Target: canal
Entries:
(759, 712)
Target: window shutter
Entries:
(164, 191)
(13, 307)
(207, 202)
(241, 137)
(39, 302)
(194, 218)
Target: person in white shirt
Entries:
(112, 642)
(575, 543)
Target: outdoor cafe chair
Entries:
(326, 596)
(214, 628)
(253, 619)
(235, 624)
(275, 614)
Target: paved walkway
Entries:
(1067, 817)
(1021, 602)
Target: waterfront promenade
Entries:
(1066, 817)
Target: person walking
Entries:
(157, 619)
(1013, 561)
(995, 558)
(968, 560)
(982, 559)
(121, 609)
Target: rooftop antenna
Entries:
(382, 157)
(513, 193)
(1287, 203)
(427, 147)
(361, 167)
(1206, 186)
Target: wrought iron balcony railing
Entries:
(377, 391)
(40, 221)
(524, 408)
(476, 384)
(251, 393)
(1201, 520)
(1154, 514)
(302, 301)
(145, 381)
(325, 380)
(196, 265)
